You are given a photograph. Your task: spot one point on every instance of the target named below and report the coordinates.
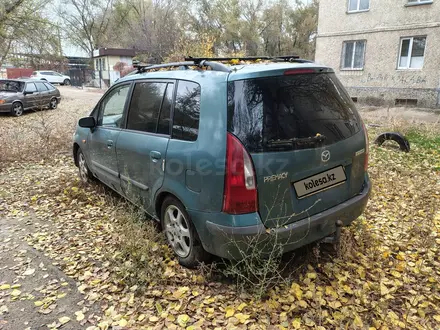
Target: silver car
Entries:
(18, 95)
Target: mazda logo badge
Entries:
(325, 156)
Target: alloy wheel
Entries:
(53, 103)
(17, 109)
(83, 170)
(177, 231)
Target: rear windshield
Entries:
(11, 86)
(290, 112)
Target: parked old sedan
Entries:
(18, 95)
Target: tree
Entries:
(151, 26)
(86, 22)
(21, 23)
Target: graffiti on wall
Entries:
(415, 79)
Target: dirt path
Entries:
(34, 292)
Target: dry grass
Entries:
(41, 134)
(384, 274)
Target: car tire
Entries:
(53, 104)
(17, 109)
(66, 82)
(84, 173)
(181, 235)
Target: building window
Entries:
(353, 54)
(103, 65)
(358, 5)
(412, 53)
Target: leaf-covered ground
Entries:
(386, 274)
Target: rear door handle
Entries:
(109, 143)
(155, 155)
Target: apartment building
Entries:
(386, 52)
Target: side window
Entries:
(30, 87)
(41, 87)
(49, 86)
(112, 107)
(186, 111)
(145, 106)
(163, 126)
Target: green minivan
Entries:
(229, 155)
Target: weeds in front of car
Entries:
(36, 135)
(141, 253)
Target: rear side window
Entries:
(49, 86)
(288, 112)
(41, 87)
(30, 87)
(186, 111)
(163, 126)
(145, 106)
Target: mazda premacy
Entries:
(231, 156)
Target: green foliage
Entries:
(167, 29)
(24, 29)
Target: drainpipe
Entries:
(438, 94)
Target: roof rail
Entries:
(215, 62)
(284, 58)
(202, 63)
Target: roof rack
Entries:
(284, 58)
(202, 63)
(215, 62)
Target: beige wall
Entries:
(383, 14)
(382, 27)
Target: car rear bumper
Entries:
(5, 107)
(236, 242)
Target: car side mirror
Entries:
(87, 122)
(27, 92)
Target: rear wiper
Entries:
(318, 138)
(300, 143)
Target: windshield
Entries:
(290, 112)
(11, 86)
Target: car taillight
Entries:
(240, 195)
(298, 71)
(366, 147)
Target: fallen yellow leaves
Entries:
(64, 319)
(384, 276)
(182, 320)
(79, 316)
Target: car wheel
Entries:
(66, 82)
(84, 173)
(181, 234)
(53, 103)
(17, 109)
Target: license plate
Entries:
(319, 182)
